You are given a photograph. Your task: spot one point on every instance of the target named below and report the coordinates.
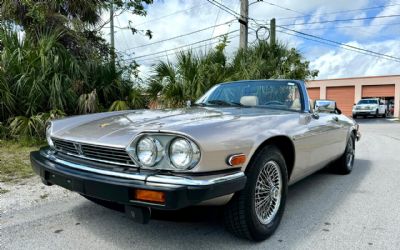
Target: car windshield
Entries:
(263, 94)
(368, 101)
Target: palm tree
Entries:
(265, 61)
(188, 78)
(193, 74)
(61, 62)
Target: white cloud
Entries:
(345, 63)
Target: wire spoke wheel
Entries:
(268, 192)
(256, 211)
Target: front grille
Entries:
(65, 146)
(94, 152)
(363, 108)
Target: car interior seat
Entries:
(249, 100)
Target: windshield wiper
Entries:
(224, 103)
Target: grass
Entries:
(14, 159)
(3, 191)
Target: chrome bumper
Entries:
(157, 179)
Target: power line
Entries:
(230, 11)
(331, 45)
(216, 20)
(123, 34)
(174, 53)
(344, 45)
(340, 11)
(179, 36)
(355, 26)
(164, 51)
(341, 20)
(191, 48)
(229, 26)
(276, 5)
(224, 8)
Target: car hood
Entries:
(119, 128)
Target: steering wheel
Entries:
(274, 103)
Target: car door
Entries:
(326, 134)
(317, 143)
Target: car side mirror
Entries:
(326, 106)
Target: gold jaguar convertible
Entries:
(239, 146)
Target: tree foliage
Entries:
(193, 74)
(55, 62)
(53, 57)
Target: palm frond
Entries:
(119, 105)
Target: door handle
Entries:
(335, 118)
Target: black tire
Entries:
(344, 165)
(384, 114)
(108, 204)
(354, 116)
(376, 114)
(240, 214)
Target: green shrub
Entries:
(119, 105)
(34, 127)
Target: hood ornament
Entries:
(78, 148)
(104, 125)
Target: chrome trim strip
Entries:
(99, 160)
(150, 179)
(191, 182)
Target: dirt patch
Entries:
(29, 192)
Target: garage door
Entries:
(378, 90)
(313, 93)
(344, 97)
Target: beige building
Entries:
(348, 91)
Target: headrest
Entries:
(249, 100)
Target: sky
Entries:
(372, 31)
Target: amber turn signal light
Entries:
(235, 160)
(149, 195)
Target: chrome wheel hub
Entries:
(268, 192)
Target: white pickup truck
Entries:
(366, 107)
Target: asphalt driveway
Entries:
(324, 211)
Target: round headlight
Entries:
(148, 151)
(183, 153)
(48, 135)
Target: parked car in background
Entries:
(240, 146)
(370, 107)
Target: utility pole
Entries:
(272, 28)
(112, 34)
(244, 23)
